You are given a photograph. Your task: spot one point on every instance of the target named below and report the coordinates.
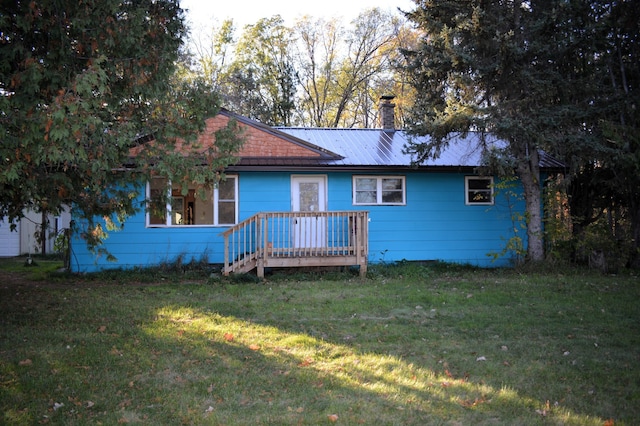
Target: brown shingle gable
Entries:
(260, 141)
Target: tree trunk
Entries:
(43, 233)
(634, 208)
(529, 173)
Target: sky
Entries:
(204, 12)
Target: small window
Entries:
(225, 197)
(478, 190)
(199, 206)
(379, 190)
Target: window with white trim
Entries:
(379, 190)
(199, 206)
(478, 190)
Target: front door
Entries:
(309, 194)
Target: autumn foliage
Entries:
(80, 84)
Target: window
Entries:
(225, 197)
(478, 190)
(199, 206)
(382, 190)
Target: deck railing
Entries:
(296, 239)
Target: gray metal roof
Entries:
(377, 147)
(373, 148)
(385, 148)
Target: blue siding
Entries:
(435, 224)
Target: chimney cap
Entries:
(387, 97)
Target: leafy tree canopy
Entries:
(318, 72)
(81, 84)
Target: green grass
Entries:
(411, 345)
(35, 269)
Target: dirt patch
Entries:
(20, 280)
(12, 279)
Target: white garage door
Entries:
(9, 241)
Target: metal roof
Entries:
(387, 148)
(377, 147)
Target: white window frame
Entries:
(379, 179)
(216, 200)
(214, 205)
(467, 191)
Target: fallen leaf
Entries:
(254, 347)
(102, 328)
(609, 422)
(332, 417)
(228, 337)
(90, 404)
(468, 403)
(481, 358)
(307, 362)
(25, 362)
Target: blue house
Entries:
(326, 196)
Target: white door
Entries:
(9, 240)
(309, 194)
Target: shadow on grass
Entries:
(261, 374)
(241, 353)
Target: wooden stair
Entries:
(297, 239)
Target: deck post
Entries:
(360, 249)
(261, 238)
(225, 269)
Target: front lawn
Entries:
(411, 345)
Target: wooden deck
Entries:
(297, 239)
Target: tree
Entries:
(212, 54)
(318, 55)
(81, 84)
(342, 83)
(606, 182)
(260, 81)
(621, 126)
(517, 70)
(316, 73)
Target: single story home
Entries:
(325, 196)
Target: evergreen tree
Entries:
(518, 70)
